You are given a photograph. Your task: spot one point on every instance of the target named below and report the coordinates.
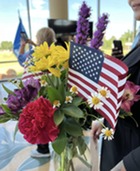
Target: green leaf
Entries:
(58, 117)
(76, 101)
(62, 91)
(42, 92)
(16, 130)
(5, 108)
(4, 118)
(60, 143)
(72, 127)
(73, 111)
(53, 81)
(54, 94)
(7, 90)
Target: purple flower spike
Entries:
(96, 42)
(83, 24)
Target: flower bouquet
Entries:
(48, 110)
(50, 107)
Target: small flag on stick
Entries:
(16, 44)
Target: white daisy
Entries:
(95, 101)
(107, 133)
(68, 99)
(74, 90)
(56, 103)
(43, 83)
(104, 92)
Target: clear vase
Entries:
(72, 160)
(65, 161)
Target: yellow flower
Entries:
(42, 64)
(107, 133)
(50, 59)
(74, 90)
(41, 51)
(61, 54)
(95, 100)
(56, 72)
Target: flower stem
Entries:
(97, 119)
(51, 82)
(84, 161)
(71, 165)
(137, 125)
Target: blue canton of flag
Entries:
(87, 62)
(89, 70)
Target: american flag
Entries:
(90, 69)
(28, 75)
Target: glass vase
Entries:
(65, 161)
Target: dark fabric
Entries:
(126, 138)
(132, 160)
(43, 148)
(127, 134)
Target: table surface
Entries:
(15, 155)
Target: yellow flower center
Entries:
(108, 133)
(74, 89)
(43, 82)
(56, 102)
(95, 100)
(103, 93)
(68, 98)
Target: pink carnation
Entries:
(36, 122)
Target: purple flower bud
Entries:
(83, 24)
(21, 97)
(33, 82)
(96, 42)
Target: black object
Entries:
(60, 42)
(118, 45)
(68, 27)
(133, 57)
(127, 134)
(43, 148)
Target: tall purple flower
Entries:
(83, 24)
(96, 42)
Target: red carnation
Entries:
(36, 122)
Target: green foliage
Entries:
(72, 127)
(7, 90)
(60, 143)
(58, 117)
(73, 111)
(6, 45)
(125, 38)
